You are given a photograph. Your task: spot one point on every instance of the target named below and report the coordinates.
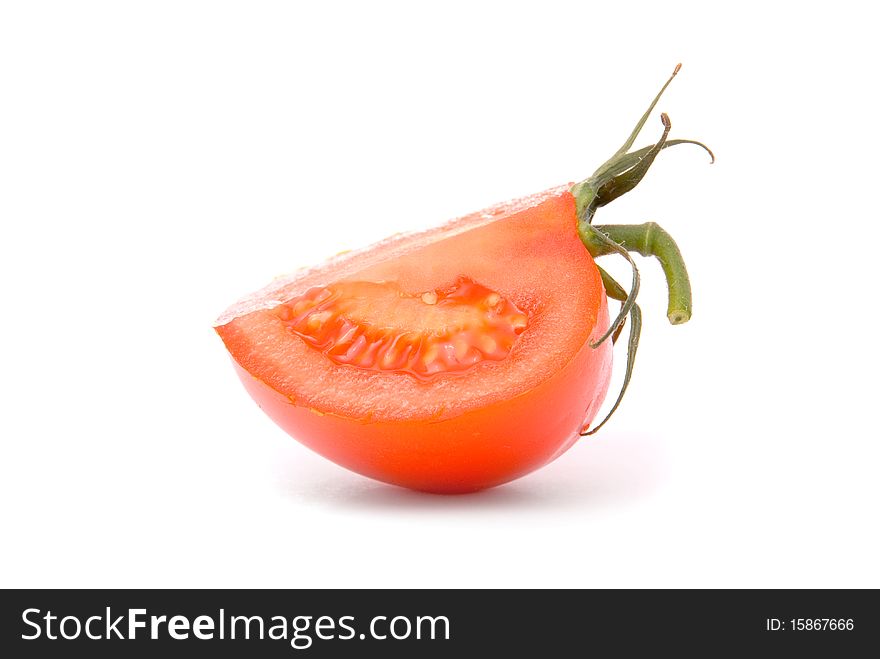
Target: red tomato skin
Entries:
(476, 449)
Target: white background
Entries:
(158, 160)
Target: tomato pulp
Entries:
(447, 361)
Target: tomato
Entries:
(447, 361)
(466, 356)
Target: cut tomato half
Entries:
(466, 356)
(449, 361)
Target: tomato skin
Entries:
(479, 448)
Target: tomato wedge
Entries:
(448, 361)
(466, 356)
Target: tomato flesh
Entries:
(378, 326)
(448, 361)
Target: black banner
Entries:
(436, 623)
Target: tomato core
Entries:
(379, 326)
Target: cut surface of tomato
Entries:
(450, 360)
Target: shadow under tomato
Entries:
(600, 472)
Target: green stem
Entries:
(635, 133)
(635, 332)
(615, 177)
(650, 239)
(598, 244)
